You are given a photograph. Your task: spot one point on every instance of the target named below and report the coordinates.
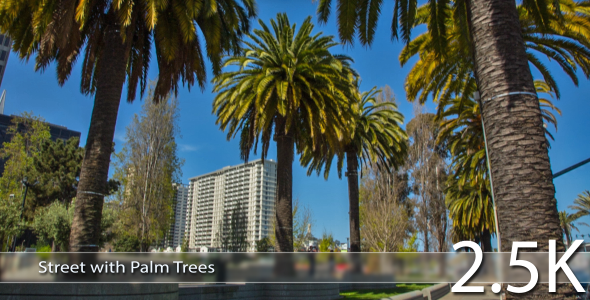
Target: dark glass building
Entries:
(5, 43)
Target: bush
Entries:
(42, 248)
(127, 243)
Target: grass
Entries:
(378, 294)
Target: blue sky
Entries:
(205, 148)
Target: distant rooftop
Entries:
(228, 167)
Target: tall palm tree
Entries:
(566, 220)
(116, 38)
(287, 81)
(523, 183)
(468, 194)
(378, 138)
(582, 204)
(441, 77)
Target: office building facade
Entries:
(232, 208)
(176, 233)
(5, 43)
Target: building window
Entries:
(3, 55)
(6, 41)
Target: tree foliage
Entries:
(127, 243)
(582, 204)
(173, 29)
(287, 80)
(55, 171)
(303, 223)
(428, 170)
(184, 245)
(26, 136)
(385, 210)
(377, 137)
(568, 225)
(326, 243)
(444, 78)
(263, 245)
(358, 18)
(147, 166)
(52, 224)
(235, 229)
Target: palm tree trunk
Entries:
(521, 172)
(353, 200)
(85, 232)
(486, 241)
(284, 206)
(517, 147)
(426, 243)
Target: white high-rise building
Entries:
(176, 233)
(247, 191)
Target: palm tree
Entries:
(566, 220)
(468, 194)
(288, 81)
(378, 137)
(471, 210)
(523, 183)
(441, 77)
(116, 38)
(582, 204)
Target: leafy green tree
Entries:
(10, 221)
(411, 245)
(427, 166)
(127, 243)
(27, 134)
(377, 137)
(287, 81)
(385, 210)
(52, 225)
(235, 229)
(55, 171)
(116, 39)
(149, 165)
(263, 245)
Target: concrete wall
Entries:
(105, 291)
(261, 291)
(365, 286)
(318, 291)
